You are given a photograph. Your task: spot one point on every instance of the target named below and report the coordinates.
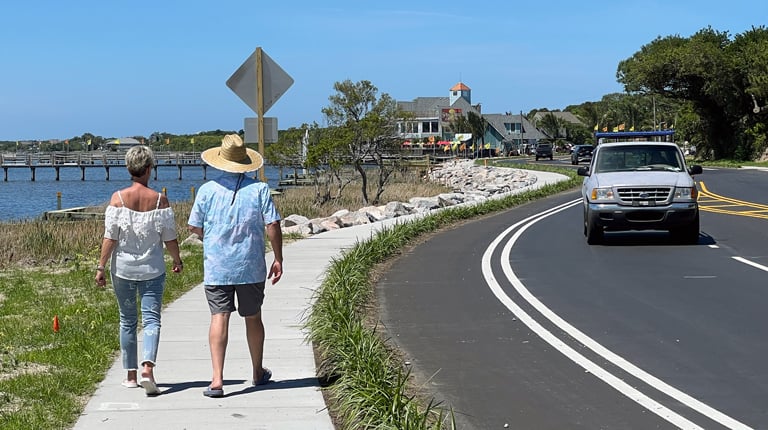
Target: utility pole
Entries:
(522, 132)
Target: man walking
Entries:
(231, 214)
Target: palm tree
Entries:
(552, 126)
(478, 125)
(589, 113)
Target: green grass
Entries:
(47, 377)
(47, 271)
(729, 163)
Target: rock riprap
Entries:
(471, 184)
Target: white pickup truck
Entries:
(640, 186)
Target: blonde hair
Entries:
(138, 159)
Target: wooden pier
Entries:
(91, 160)
(73, 214)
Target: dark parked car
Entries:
(544, 150)
(581, 153)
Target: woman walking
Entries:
(137, 222)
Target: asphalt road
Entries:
(513, 319)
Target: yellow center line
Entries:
(715, 203)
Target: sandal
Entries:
(266, 375)
(213, 392)
(150, 386)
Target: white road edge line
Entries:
(751, 263)
(621, 386)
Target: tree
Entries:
(589, 113)
(327, 154)
(716, 75)
(478, 125)
(90, 141)
(750, 52)
(459, 124)
(578, 134)
(315, 151)
(363, 129)
(551, 125)
(287, 152)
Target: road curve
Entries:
(640, 303)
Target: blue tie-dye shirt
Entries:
(233, 229)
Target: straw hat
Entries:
(233, 156)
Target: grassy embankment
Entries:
(371, 386)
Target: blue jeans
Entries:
(150, 295)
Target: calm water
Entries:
(21, 198)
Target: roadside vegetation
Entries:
(370, 386)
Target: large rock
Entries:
(396, 209)
(294, 219)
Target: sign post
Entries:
(259, 82)
(260, 110)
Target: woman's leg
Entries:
(151, 293)
(125, 292)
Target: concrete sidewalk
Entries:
(292, 401)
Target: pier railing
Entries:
(85, 160)
(90, 159)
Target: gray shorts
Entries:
(221, 298)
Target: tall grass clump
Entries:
(39, 243)
(370, 386)
(45, 243)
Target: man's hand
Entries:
(275, 272)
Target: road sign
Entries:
(252, 130)
(244, 82)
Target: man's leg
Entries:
(217, 337)
(254, 332)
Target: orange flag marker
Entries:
(55, 323)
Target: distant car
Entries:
(544, 150)
(640, 186)
(581, 153)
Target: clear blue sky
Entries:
(124, 68)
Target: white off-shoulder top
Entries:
(138, 254)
